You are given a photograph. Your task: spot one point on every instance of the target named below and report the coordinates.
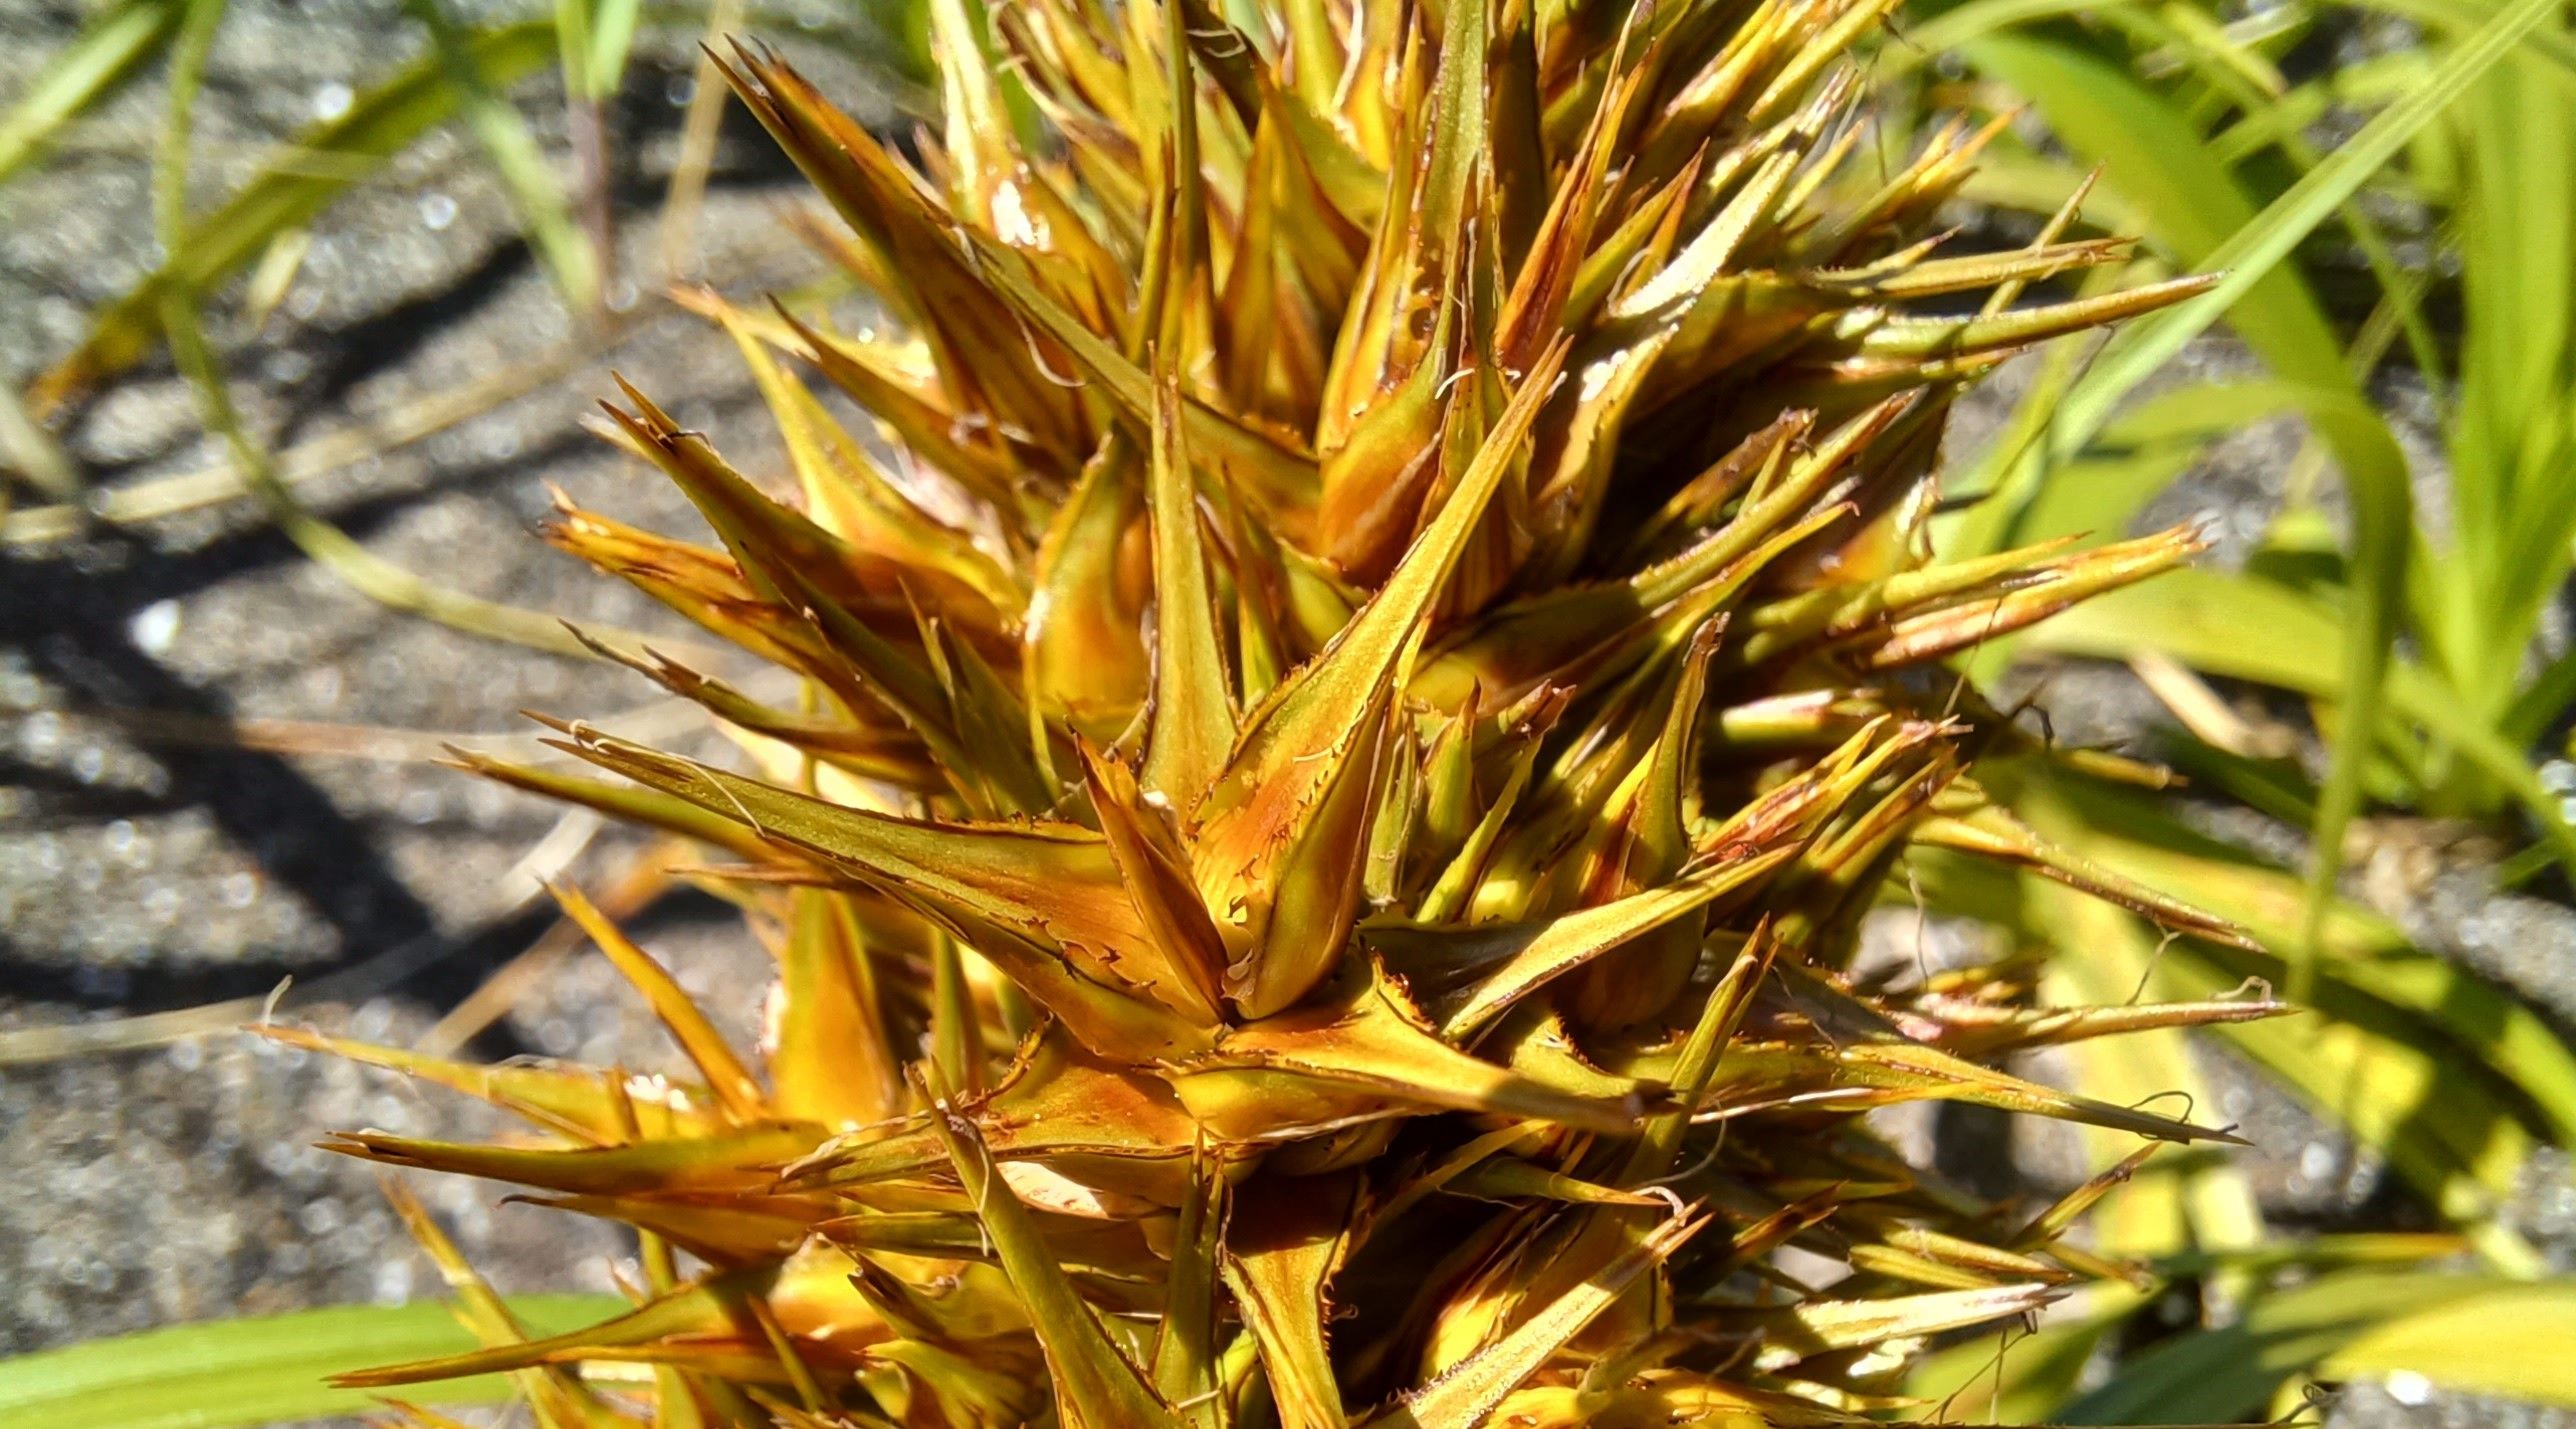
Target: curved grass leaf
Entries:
(515, 157)
(2374, 471)
(295, 185)
(2488, 1026)
(2151, 152)
(2249, 629)
(2510, 1340)
(371, 575)
(103, 58)
(2099, 495)
(257, 1371)
(2512, 427)
(2228, 1374)
(2552, 45)
(2445, 1130)
(2209, 1204)
(1961, 25)
(2448, 1076)
(2018, 1377)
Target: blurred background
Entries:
(248, 595)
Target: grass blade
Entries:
(2446, 1075)
(612, 39)
(675, 242)
(295, 184)
(371, 575)
(515, 157)
(105, 55)
(2227, 1374)
(2252, 630)
(2374, 471)
(27, 450)
(258, 1371)
(2510, 1341)
(2151, 155)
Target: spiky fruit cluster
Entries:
(1375, 647)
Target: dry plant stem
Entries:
(271, 280)
(31, 452)
(662, 719)
(522, 886)
(2190, 699)
(371, 575)
(372, 436)
(206, 486)
(643, 882)
(677, 242)
(590, 144)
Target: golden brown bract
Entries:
(1373, 645)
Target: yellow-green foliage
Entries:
(1374, 650)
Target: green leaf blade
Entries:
(229, 1373)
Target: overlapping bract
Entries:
(1371, 650)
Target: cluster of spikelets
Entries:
(1373, 651)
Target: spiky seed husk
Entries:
(1375, 642)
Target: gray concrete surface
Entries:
(140, 874)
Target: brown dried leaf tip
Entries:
(1373, 646)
